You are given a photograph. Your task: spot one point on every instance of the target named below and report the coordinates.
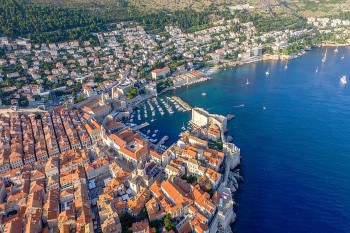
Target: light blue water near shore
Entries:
(296, 153)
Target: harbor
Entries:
(147, 115)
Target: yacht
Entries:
(336, 50)
(247, 82)
(204, 94)
(343, 80)
(342, 57)
(324, 57)
(268, 72)
(286, 66)
(316, 71)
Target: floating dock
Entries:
(162, 140)
(183, 104)
(140, 126)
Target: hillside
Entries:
(107, 9)
(300, 7)
(57, 20)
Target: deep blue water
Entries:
(296, 153)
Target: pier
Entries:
(162, 140)
(183, 104)
(143, 125)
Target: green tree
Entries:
(132, 93)
(167, 223)
(23, 101)
(79, 99)
(208, 186)
(143, 214)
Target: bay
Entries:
(293, 128)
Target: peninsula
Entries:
(63, 170)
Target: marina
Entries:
(154, 110)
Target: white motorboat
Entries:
(324, 57)
(343, 80)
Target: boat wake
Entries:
(239, 106)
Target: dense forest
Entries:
(18, 18)
(44, 23)
(185, 19)
(271, 22)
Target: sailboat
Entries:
(286, 66)
(342, 57)
(343, 80)
(316, 70)
(183, 127)
(247, 82)
(324, 57)
(336, 49)
(268, 72)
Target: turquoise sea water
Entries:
(296, 153)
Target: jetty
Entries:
(161, 142)
(143, 125)
(183, 104)
(158, 147)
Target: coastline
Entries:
(329, 44)
(230, 64)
